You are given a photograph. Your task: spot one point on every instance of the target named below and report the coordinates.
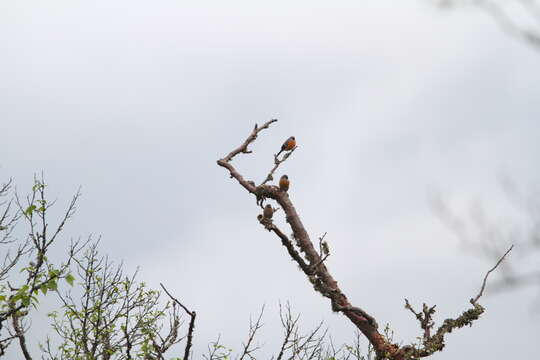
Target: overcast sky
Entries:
(390, 101)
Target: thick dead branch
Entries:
(285, 241)
(311, 262)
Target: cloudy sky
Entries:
(390, 102)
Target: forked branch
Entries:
(302, 250)
(191, 328)
(433, 343)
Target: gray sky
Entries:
(389, 101)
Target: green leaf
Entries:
(30, 209)
(51, 285)
(43, 289)
(70, 278)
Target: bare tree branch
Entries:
(481, 292)
(311, 262)
(248, 349)
(433, 343)
(191, 329)
(277, 162)
(424, 317)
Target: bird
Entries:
(288, 145)
(268, 211)
(284, 183)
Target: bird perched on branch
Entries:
(284, 183)
(268, 211)
(288, 145)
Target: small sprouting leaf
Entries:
(53, 314)
(70, 278)
(38, 186)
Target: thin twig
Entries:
(473, 301)
(253, 328)
(277, 162)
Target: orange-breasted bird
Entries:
(288, 145)
(268, 211)
(284, 183)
